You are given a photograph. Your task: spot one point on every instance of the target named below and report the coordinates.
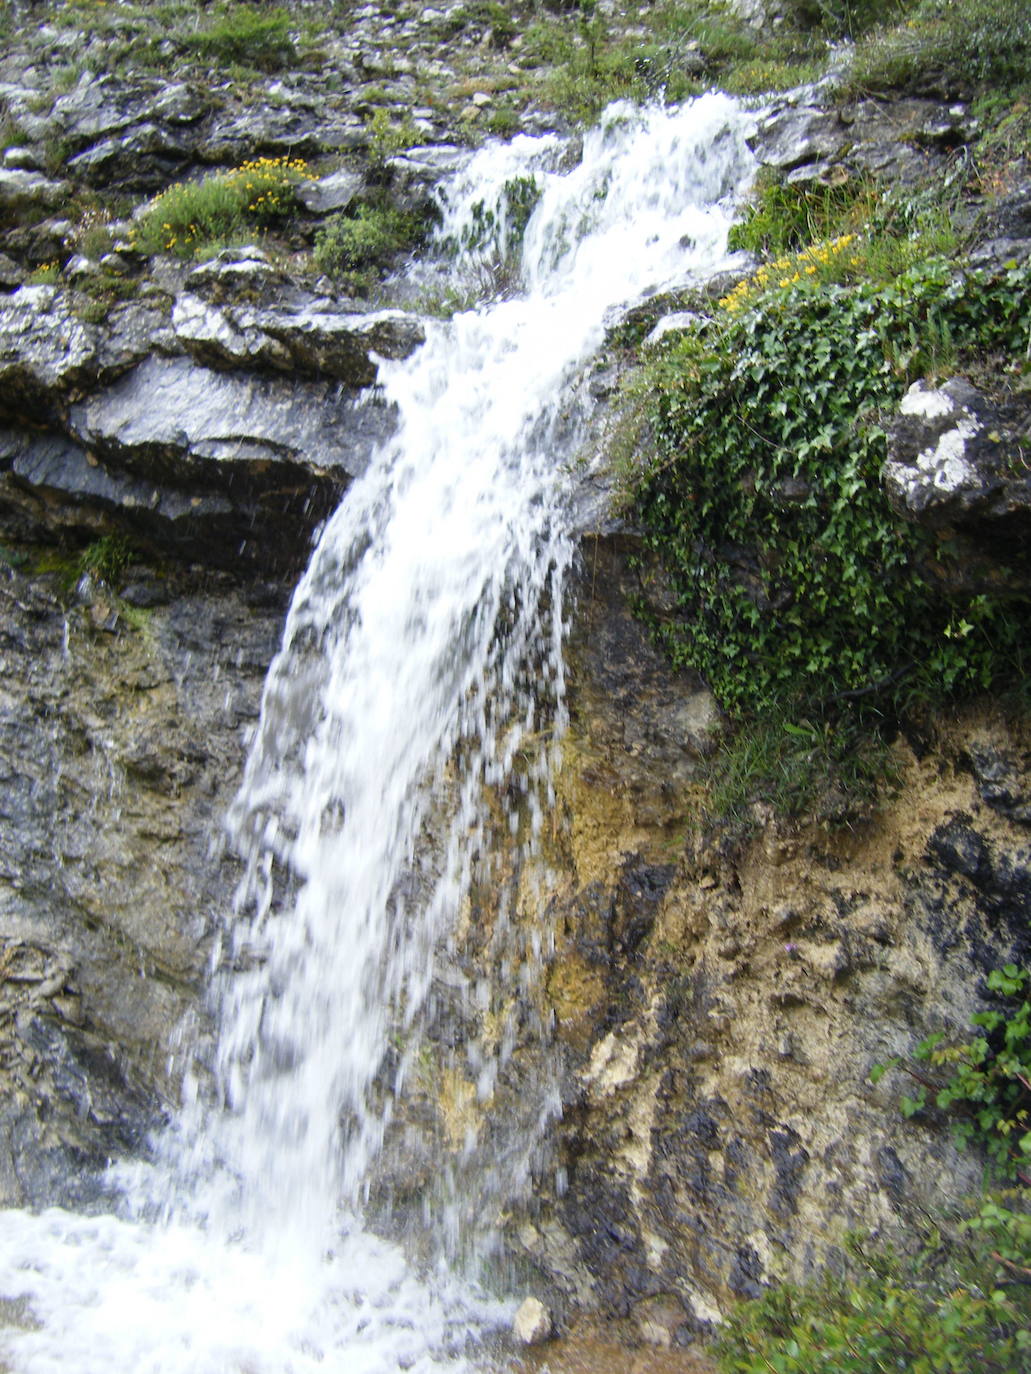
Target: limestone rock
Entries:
(44, 348)
(20, 187)
(119, 751)
(333, 192)
(224, 466)
(194, 418)
(532, 1324)
(49, 353)
(1004, 233)
(792, 136)
(954, 457)
(314, 338)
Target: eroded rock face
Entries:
(222, 426)
(904, 139)
(953, 459)
(313, 338)
(719, 1005)
(121, 740)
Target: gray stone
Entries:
(20, 187)
(333, 192)
(953, 459)
(790, 137)
(272, 455)
(119, 752)
(44, 348)
(11, 275)
(25, 158)
(314, 339)
(145, 157)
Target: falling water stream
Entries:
(421, 664)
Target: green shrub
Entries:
(762, 497)
(485, 15)
(948, 47)
(759, 75)
(105, 560)
(885, 233)
(833, 768)
(194, 214)
(689, 45)
(783, 218)
(247, 34)
(952, 1310)
(388, 137)
(368, 236)
(846, 18)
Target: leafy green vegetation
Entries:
(251, 34)
(832, 768)
(844, 18)
(962, 1303)
(951, 1310)
(192, 215)
(783, 218)
(105, 560)
(950, 48)
(361, 241)
(688, 46)
(763, 500)
(388, 137)
(990, 1079)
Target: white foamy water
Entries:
(421, 662)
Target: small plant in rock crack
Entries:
(105, 560)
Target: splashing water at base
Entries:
(421, 659)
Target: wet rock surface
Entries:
(310, 337)
(121, 740)
(719, 1130)
(130, 422)
(905, 139)
(717, 1007)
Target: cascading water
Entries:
(421, 657)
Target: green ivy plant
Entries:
(989, 1082)
(761, 499)
(952, 1309)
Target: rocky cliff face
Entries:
(717, 999)
(721, 999)
(121, 737)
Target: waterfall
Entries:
(420, 667)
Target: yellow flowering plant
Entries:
(831, 260)
(192, 214)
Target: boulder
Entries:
(279, 130)
(333, 192)
(315, 339)
(956, 458)
(49, 353)
(46, 351)
(20, 188)
(532, 1322)
(792, 136)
